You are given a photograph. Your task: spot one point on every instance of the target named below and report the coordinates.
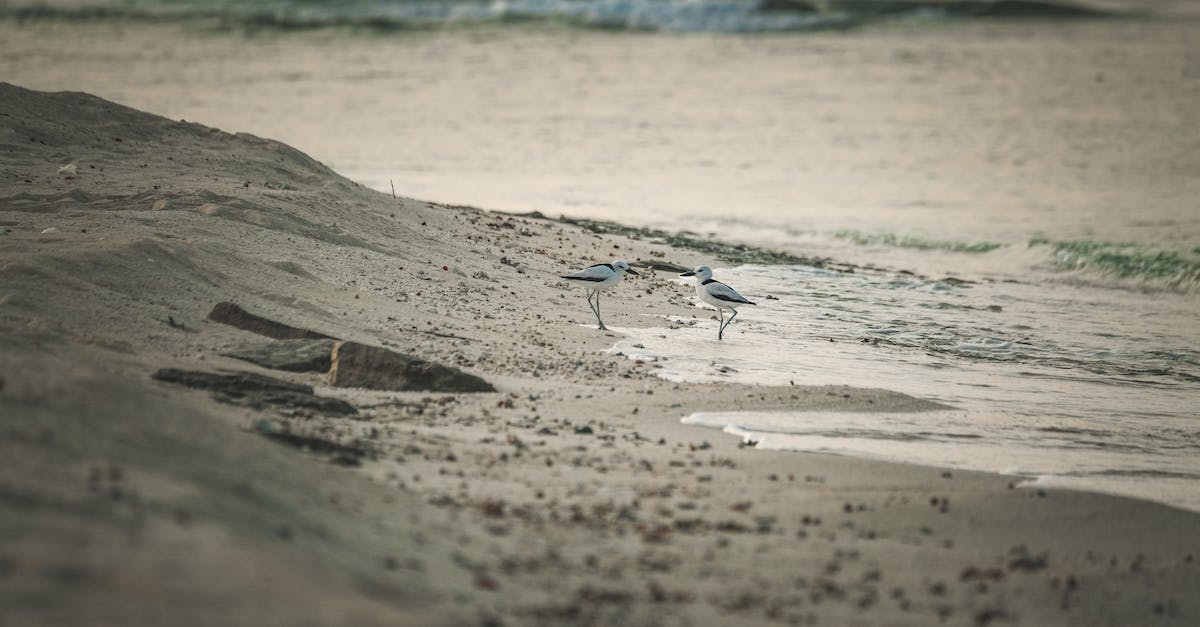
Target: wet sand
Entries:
(572, 495)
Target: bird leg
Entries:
(590, 293)
(721, 328)
(595, 309)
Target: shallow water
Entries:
(1080, 386)
(1051, 163)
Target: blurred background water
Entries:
(728, 16)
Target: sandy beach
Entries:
(141, 489)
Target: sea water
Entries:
(1067, 385)
(1002, 215)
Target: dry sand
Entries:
(570, 496)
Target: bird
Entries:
(718, 295)
(600, 277)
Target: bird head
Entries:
(702, 273)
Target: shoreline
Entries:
(1017, 480)
(571, 494)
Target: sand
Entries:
(572, 495)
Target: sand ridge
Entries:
(570, 496)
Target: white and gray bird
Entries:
(600, 277)
(718, 295)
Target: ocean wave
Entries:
(1173, 269)
(1138, 473)
(731, 16)
(915, 242)
(632, 15)
(1010, 9)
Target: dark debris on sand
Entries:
(235, 316)
(258, 392)
(351, 454)
(296, 355)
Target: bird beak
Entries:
(688, 274)
(633, 272)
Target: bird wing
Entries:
(720, 291)
(597, 273)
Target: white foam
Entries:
(951, 439)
